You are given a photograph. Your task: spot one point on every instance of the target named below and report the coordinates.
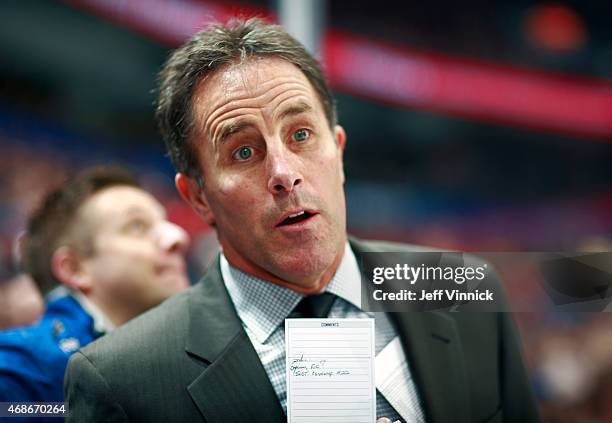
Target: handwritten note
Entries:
(330, 370)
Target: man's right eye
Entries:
(243, 153)
(137, 226)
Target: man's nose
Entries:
(284, 174)
(172, 238)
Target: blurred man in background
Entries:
(108, 245)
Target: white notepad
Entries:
(330, 370)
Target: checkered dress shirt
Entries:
(263, 306)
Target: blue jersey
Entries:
(33, 358)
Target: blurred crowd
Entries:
(569, 354)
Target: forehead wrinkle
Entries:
(281, 82)
(225, 82)
(288, 91)
(228, 110)
(245, 115)
(249, 96)
(232, 108)
(228, 127)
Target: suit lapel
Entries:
(436, 362)
(432, 347)
(235, 386)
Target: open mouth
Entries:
(298, 217)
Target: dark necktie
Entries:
(316, 306)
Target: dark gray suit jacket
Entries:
(190, 360)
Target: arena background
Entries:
(480, 126)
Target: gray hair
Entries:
(206, 52)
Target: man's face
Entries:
(272, 173)
(138, 256)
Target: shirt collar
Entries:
(262, 306)
(101, 323)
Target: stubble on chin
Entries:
(304, 267)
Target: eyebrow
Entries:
(295, 109)
(139, 211)
(236, 127)
(231, 129)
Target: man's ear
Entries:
(194, 195)
(67, 267)
(340, 137)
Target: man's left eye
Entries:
(301, 135)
